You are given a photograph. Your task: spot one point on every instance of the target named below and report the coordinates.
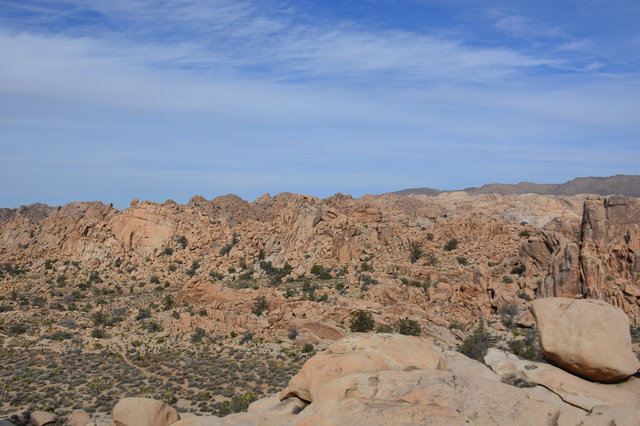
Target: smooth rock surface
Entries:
(135, 411)
(39, 418)
(589, 338)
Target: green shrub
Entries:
(307, 348)
(361, 322)
(365, 267)
(182, 241)
(517, 380)
(451, 245)
(197, 335)
(260, 305)
(462, 260)
(409, 327)
(17, 328)
(525, 234)
(98, 333)
(416, 251)
(237, 404)
(476, 344)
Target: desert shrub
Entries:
(384, 329)
(527, 347)
(509, 313)
(227, 247)
(94, 277)
(524, 296)
(100, 318)
(172, 267)
(320, 272)
(293, 333)
(365, 267)
(202, 312)
(609, 278)
(6, 308)
(307, 348)
(154, 279)
(237, 404)
(429, 236)
(176, 314)
(431, 259)
(168, 251)
(518, 270)
(361, 322)
(216, 275)
(154, 327)
(143, 313)
(476, 344)
(309, 290)
(408, 327)
(167, 302)
(451, 245)
(260, 305)
(193, 269)
(246, 337)
(525, 234)
(98, 333)
(517, 380)
(507, 279)
(424, 285)
(17, 328)
(367, 280)
(60, 335)
(276, 274)
(197, 335)
(182, 241)
(462, 260)
(416, 251)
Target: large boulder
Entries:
(135, 411)
(40, 418)
(363, 353)
(589, 338)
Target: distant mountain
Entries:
(628, 185)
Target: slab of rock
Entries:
(362, 353)
(571, 389)
(79, 418)
(39, 418)
(589, 338)
(136, 411)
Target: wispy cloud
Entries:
(151, 90)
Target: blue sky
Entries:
(116, 99)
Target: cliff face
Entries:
(599, 260)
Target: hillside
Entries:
(627, 185)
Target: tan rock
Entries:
(587, 337)
(363, 353)
(39, 418)
(134, 411)
(79, 418)
(571, 389)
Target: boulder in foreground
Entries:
(143, 412)
(589, 338)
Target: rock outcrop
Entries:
(402, 380)
(134, 411)
(587, 337)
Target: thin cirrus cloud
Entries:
(266, 91)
